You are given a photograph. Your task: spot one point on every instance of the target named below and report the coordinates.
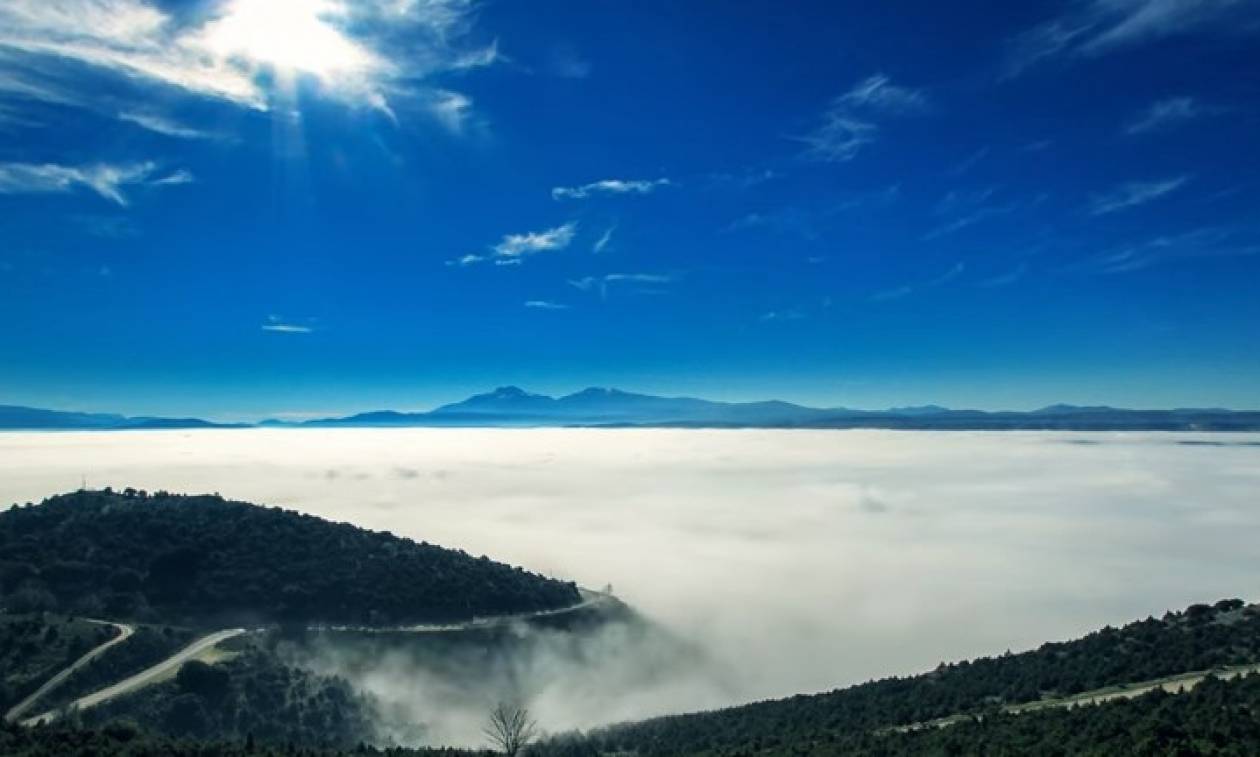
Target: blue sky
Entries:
(290, 207)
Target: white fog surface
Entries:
(801, 560)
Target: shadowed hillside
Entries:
(864, 719)
(207, 560)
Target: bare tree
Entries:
(510, 728)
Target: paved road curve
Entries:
(589, 599)
(144, 677)
(1175, 684)
(125, 632)
(172, 663)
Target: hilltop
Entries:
(204, 559)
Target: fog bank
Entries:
(801, 560)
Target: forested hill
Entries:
(203, 559)
(862, 719)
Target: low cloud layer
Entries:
(798, 560)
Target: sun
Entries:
(288, 36)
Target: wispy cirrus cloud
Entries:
(745, 179)
(107, 226)
(182, 176)
(892, 293)
(969, 162)
(1004, 279)
(1166, 114)
(641, 278)
(276, 324)
(967, 208)
(1198, 244)
(602, 284)
(1132, 194)
(369, 53)
(850, 122)
(159, 124)
(790, 314)
(604, 240)
(451, 109)
(789, 220)
(106, 180)
(905, 290)
(529, 243)
(1097, 27)
(545, 305)
(512, 249)
(954, 272)
(609, 187)
(466, 260)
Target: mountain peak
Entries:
(1062, 409)
(597, 391)
(918, 410)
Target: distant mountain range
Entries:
(16, 417)
(595, 407)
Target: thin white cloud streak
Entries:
(878, 93)
(451, 109)
(545, 305)
(182, 176)
(529, 243)
(746, 179)
(792, 314)
(512, 249)
(609, 187)
(602, 284)
(893, 293)
(466, 260)
(899, 292)
(954, 272)
(286, 328)
(1097, 27)
(604, 240)
(849, 123)
(165, 126)
(22, 83)
(787, 220)
(1198, 244)
(640, 278)
(1166, 114)
(970, 209)
(797, 560)
(106, 180)
(279, 325)
(1005, 279)
(971, 219)
(957, 200)
(1132, 194)
(969, 162)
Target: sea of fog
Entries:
(797, 560)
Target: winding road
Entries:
(1174, 684)
(171, 664)
(589, 599)
(144, 677)
(125, 632)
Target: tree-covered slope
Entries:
(1200, 638)
(1220, 718)
(208, 560)
(251, 694)
(34, 647)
